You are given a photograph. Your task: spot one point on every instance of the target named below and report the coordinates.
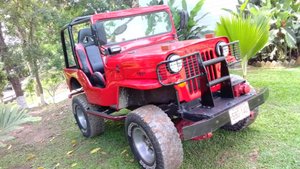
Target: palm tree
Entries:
(252, 31)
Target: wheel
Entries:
(153, 138)
(242, 124)
(88, 124)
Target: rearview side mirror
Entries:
(120, 29)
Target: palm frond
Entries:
(252, 32)
(196, 8)
(230, 11)
(184, 5)
(171, 2)
(244, 5)
(11, 117)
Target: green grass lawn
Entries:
(273, 141)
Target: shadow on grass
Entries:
(213, 153)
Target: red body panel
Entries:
(135, 66)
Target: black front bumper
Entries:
(218, 116)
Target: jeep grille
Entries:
(191, 72)
(195, 65)
(191, 67)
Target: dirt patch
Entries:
(223, 158)
(22, 167)
(253, 156)
(31, 135)
(46, 129)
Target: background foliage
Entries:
(193, 29)
(250, 29)
(284, 42)
(30, 49)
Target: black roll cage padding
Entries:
(85, 37)
(99, 33)
(76, 21)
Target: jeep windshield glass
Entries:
(136, 27)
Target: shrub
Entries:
(193, 29)
(252, 31)
(11, 117)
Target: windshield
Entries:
(135, 27)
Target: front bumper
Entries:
(219, 115)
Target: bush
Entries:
(11, 117)
(284, 42)
(52, 81)
(252, 31)
(193, 30)
(3, 79)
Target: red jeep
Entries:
(175, 90)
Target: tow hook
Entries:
(252, 115)
(203, 137)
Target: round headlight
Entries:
(222, 49)
(176, 65)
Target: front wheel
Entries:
(153, 138)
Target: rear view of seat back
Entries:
(92, 51)
(83, 59)
(95, 59)
(89, 57)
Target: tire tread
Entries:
(165, 134)
(96, 124)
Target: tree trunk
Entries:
(298, 61)
(135, 4)
(244, 67)
(39, 88)
(53, 99)
(17, 86)
(12, 78)
(35, 69)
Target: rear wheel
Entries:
(88, 124)
(153, 138)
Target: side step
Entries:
(105, 115)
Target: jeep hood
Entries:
(142, 62)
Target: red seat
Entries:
(89, 58)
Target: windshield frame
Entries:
(140, 14)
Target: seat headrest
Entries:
(85, 37)
(99, 31)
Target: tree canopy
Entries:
(30, 36)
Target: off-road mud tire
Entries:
(94, 125)
(162, 134)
